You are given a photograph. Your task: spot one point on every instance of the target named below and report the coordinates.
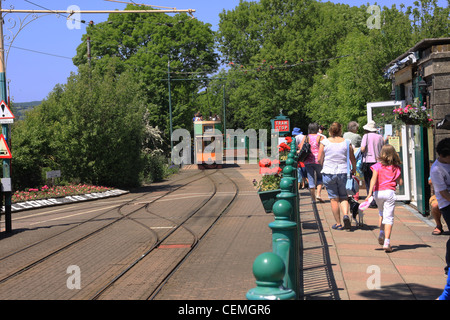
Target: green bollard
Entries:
(286, 194)
(284, 234)
(288, 173)
(286, 186)
(269, 270)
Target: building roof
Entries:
(409, 57)
(425, 43)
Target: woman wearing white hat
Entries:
(371, 145)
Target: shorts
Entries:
(385, 200)
(310, 169)
(433, 201)
(335, 184)
(301, 173)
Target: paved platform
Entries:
(339, 264)
(351, 265)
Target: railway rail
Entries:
(125, 251)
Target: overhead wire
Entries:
(264, 66)
(40, 52)
(68, 17)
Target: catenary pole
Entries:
(5, 128)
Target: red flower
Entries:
(265, 163)
(284, 147)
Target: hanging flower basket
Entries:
(414, 115)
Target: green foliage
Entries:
(316, 61)
(143, 44)
(104, 125)
(268, 182)
(91, 129)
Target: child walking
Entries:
(385, 178)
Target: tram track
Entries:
(168, 272)
(128, 216)
(155, 292)
(133, 210)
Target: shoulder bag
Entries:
(305, 151)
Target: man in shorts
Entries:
(440, 176)
(435, 213)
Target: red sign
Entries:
(282, 125)
(5, 153)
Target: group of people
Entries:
(331, 157)
(199, 117)
(328, 164)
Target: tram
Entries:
(208, 156)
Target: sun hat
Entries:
(296, 131)
(370, 126)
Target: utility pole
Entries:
(5, 128)
(170, 106)
(4, 94)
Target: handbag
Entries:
(351, 185)
(305, 151)
(359, 161)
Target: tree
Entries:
(316, 61)
(143, 44)
(91, 128)
(274, 49)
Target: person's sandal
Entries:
(437, 231)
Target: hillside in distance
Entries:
(19, 108)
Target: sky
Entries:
(31, 75)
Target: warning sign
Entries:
(5, 153)
(6, 115)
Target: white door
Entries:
(382, 114)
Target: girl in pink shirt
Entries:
(386, 176)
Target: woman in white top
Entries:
(333, 157)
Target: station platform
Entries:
(336, 264)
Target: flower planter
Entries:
(268, 198)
